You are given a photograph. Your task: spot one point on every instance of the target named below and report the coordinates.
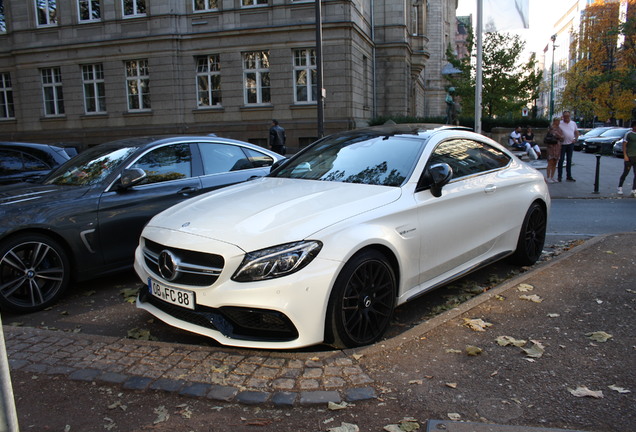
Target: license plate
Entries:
(174, 296)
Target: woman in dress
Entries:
(554, 150)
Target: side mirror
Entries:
(435, 178)
(131, 177)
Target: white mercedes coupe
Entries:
(327, 245)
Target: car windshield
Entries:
(366, 158)
(595, 132)
(90, 167)
(614, 133)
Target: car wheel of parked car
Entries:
(531, 237)
(34, 272)
(362, 301)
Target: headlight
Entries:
(277, 261)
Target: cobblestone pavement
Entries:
(249, 377)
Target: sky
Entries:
(543, 13)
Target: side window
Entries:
(10, 162)
(467, 157)
(220, 158)
(34, 164)
(259, 159)
(166, 163)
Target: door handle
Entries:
(188, 191)
(490, 188)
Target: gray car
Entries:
(84, 219)
(20, 161)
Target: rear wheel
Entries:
(531, 237)
(34, 272)
(362, 301)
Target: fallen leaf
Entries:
(345, 427)
(418, 382)
(451, 385)
(533, 298)
(358, 356)
(184, 411)
(524, 287)
(476, 324)
(599, 336)
(610, 252)
(619, 389)
(599, 301)
(509, 340)
(554, 315)
(162, 414)
(129, 294)
(454, 416)
(472, 350)
(337, 406)
(583, 391)
(409, 425)
(453, 351)
(535, 350)
(140, 334)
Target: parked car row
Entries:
(601, 140)
(29, 161)
(318, 248)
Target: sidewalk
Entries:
(427, 369)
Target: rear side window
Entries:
(259, 159)
(10, 162)
(171, 162)
(467, 157)
(220, 158)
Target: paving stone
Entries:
(197, 389)
(168, 385)
(18, 364)
(252, 397)
(319, 397)
(85, 374)
(222, 393)
(137, 383)
(283, 384)
(37, 368)
(358, 394)
(113, 377)
(61, 370)
(282, 399)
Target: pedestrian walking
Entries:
(277, 138)
(629, 155)
(570, 132)
(552, 140)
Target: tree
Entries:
(508, 84)
(602, 80)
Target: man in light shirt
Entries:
(570, 135)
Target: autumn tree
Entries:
(508, 83)
(601, 81)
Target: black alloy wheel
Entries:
(362, 301)
(532, 236)
(34, 272)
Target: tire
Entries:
(362, 301)
(531, 237)
(34, 272)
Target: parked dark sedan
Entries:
(21, 161)
(578, 144)
(85, 217)
(604, 142)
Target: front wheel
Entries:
(531, 237)
(362, 301)
(34, 272)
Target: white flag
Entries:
(502, 15)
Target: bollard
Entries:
(598, 172)
(8, 415)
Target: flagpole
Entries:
(478, 72)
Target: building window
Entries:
(138, 85)
(46, 12)
(3, 20)
(305, 75)
(256, 77)
(7, 110)
(89, 10)
(94, 92)
(205, 5)
(208, 81)
(252, 3)
(134, 8)
(52, 91)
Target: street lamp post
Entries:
(553, 39)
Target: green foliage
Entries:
(508, 85)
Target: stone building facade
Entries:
(89, 71)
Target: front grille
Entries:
(233, 322)
(194, 269)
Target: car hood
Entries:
(271, 211)
(25, 195)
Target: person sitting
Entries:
(516, 141)
(528, 138)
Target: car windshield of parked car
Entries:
(614, 133)
(362, 158)
(90, 167)
(595, 132)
